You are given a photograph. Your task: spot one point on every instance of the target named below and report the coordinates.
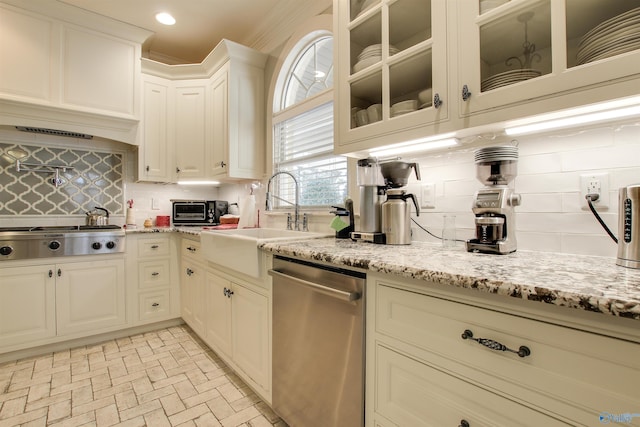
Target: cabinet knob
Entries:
(227, 292)
(147, 168)
(177, 169)
(59, 273)
(50, 273)
(222, 164)
(466, 94)
(189, 272)
(191, 249)
(437, 102)
(523, 351)
(464, 423)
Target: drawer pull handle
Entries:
(495, 345)
(191, 249)
(464, 423)
(155, 273)
(155, 304)
(155, 247)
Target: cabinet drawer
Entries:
(191, 249)
(154, 273)
(153, 247)
(154, 305)
(410, 393)
(566, 369)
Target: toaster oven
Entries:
(198, 212)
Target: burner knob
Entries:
(96, 245)
(6, 250)
(54, 245)
(111, 245)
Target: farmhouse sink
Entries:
(238, 249)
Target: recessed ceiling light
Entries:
(165, 18)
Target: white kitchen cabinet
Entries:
(238, 117)
(412, 35)
(429, 370)
(155, 155)
(562, 75)
(217, 114)
(27, 304)
(192, 282)
(70, 70)
(237, 327)
(192, 129)
(90, 296)
(152, 278)
(475, 62)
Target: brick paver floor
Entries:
(167, 377)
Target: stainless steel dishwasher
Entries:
(318, 344)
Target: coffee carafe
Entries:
(493, 205)
(396, 217)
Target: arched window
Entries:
(303, 126)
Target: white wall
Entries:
(550, 218)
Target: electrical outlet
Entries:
(428, 196)
(597, 183)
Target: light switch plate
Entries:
(428, 196)
(155, 204)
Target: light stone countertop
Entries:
(589, 283)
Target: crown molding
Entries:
(278, 26)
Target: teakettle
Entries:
(396, 217)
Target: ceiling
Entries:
(200, 25)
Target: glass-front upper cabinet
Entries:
(514, 51)
(391, 76)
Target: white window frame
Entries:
(310, 31)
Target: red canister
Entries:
(162, 221)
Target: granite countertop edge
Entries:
(589, 283)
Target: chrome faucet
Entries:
(296, 217)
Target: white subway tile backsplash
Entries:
(589, 244)
(547, 183)
(537, 164)
(547, 202)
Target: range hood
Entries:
(72, 123)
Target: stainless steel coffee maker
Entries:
(496, 167)
(372, 195)
(384, 211)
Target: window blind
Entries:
(303, 145)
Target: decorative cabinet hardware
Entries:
(227, 292)
(222, 164)
(464, 423)
(177, 169)
(191, 249)
(466, 94)
(59, 272)
(189, 272)
(147, 168)
(523, 351)
(155, 273)
(155, 304)
(50, 273)
(437, 102)
(155, 247)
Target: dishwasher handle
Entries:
(332, 292)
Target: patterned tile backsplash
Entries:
(95, 180)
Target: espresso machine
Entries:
(384, 211)
(493, 205)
